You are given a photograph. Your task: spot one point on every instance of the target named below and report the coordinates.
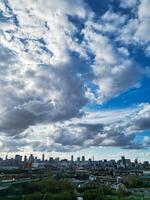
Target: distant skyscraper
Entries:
(51, 159)
(36, 159)
(93, 158)
(18, 158)
(72, 158)
(128, 162)
(123, 161)
(25, 158)
(78, 159)
(57, 159)
(83, 158)
(31, 158)
(43, 157)
(136, 162)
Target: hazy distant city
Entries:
(32, 161)
(85, 178)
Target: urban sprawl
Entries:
(130, 179)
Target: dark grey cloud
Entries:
(11, 145)
(77, 134)
(58, 94)
(86, 136)
(135, 146)
(142, 124)
(7, 56)
(119, 133)
(141, 120)
(40, 146)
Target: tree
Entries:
(134, 181)
(122, 190)
(59, 196)
(34, 196)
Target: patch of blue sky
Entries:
(102, 6)
(139, 55)
(130, 98)
(12, 16)
(140, 136)
(76, 21)
(99, 7)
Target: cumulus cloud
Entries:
(39, 80)
(128, 3)
(119, 131)
(136, 31)
(113, 69)
(45, 100)
(146, 141)
(51, 54)
(76, 134)
(141, 121)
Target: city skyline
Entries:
(82, 158)
(74, 78)
(75, 156)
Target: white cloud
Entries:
(136, 31)
(42, 82)
(114, 70)
(37, 70)
(128, 3)
(143, 10)
(146, 141)
(142, 33)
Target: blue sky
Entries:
(74, 78)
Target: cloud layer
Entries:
(92, 129)
(52, 55)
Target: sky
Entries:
(75, 78)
